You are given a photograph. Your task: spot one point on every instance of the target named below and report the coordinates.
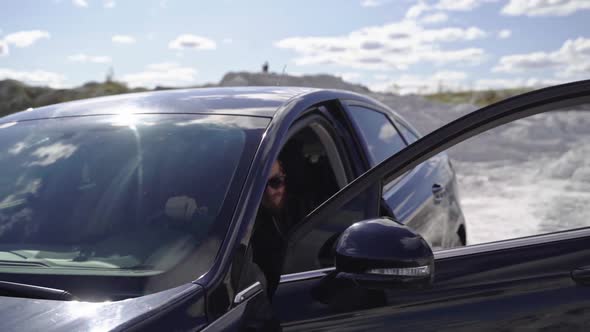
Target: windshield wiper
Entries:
(14, 289)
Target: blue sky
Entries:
(403, 45)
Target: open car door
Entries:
(538, 282)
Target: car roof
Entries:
(250, 101)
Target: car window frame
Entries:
(354, 132)
(345, 155)
(323, 116)
(400, 123)
(359, 131)
(484, 119)
(387, 183)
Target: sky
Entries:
(405, 46)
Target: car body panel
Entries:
(507, 288)
(237, 101)
(414, 203)
(412, 199)
(19, 314)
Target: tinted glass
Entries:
(406, 133)
(124, 195)
(315, 249)
(380, 136)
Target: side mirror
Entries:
(381, 253)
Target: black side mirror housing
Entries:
(382, 253)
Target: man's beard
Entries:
(277, 207)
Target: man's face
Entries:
(274, 194)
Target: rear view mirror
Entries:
(381, 253)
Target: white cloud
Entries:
(163, 66)
(227, 41)
(434, 18)
(416, 10)
(349, 76)
(452, 34)
(25, 38)
(422, 7)
(381, 77)
(84, 58)
(449, 75)
(3, 48)
(373, 3)
(504, 33)
(109, 4)
(162, 74)
(544, 7)
(521, 62)
(461, 5)
(444, 5)
(50, 154)
(391, 46)
(123, 39)
(443, 80)
(35, 77)
(502, 83)
(191, 41)
(80, 3)
(572, 59)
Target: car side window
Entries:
(381, 137)
(406, 133)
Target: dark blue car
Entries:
(136, 212)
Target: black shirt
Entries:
(269, 240)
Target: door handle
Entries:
(439, 192)
(581, 275)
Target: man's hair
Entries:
(282, 166)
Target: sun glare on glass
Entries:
(125, 120)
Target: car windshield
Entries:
(118, 195)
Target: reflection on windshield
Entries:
(49, 154)
(387, 133)
(128, 193)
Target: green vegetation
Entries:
(479, 98)
(16, 96)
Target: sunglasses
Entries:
(276, 181)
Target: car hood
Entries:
(19, 314)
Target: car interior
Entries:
(313, 165)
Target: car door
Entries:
(417, 199)
(538, 282)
